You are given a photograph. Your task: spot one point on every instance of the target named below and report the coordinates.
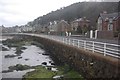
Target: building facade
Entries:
(108, 25)
(108, 22)
(53, 26)
(80, 25)
(63, 26)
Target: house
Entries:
(6, 29)
(80, 24)
(108, 22)
(18, 29)
(26, 28)
(63, 27)
(108, 25)
(37, 28)
(45, 29)
(53, 26)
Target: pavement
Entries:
(98, 40)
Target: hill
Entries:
(90, 10)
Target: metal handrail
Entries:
(92, 46)
(104, 48)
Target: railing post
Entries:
(66, 40)
(63, 40)
(78, 43)
(84, 44)
(73, 42)
(104, 49)
(69, 41)
(93, 46)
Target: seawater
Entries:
(32, 53)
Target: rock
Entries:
(39, 53)
(45, 54)
(10, 56)
(52, 63)
(19, 57)
(44, 63)
(19, 67)
(91, 64)
(4, 49)
(49, 68)
(26, 59)
(54, 69)
(58, 77)
(6, 71)
(23, 48)
(19, 52)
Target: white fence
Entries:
(100, 47)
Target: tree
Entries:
(79, 29)
(77, 10)
(84, 29)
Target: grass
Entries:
(73, 74)
(41, 72)
(13, 43)
(68, 72)
(19, 67)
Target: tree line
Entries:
(90, 10)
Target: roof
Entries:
(63, 21)
(111, 15)
(81, 19)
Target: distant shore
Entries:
(5, 37)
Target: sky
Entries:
(19, 12)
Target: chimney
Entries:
(104, 12)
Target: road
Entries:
(97, 40)
(107, 47)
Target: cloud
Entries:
(14, 12)
(19, 12)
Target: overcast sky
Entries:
(19, 12)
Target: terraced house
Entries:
(108, 24)
(63, 28)
(80, 25)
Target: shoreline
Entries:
(44, 69)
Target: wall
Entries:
(105, 35)
(90, 65)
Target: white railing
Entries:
(100, 47)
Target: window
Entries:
(110, 20)
(110, 27)
(100, 20)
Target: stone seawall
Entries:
(90, 65)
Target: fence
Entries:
(100, 47)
